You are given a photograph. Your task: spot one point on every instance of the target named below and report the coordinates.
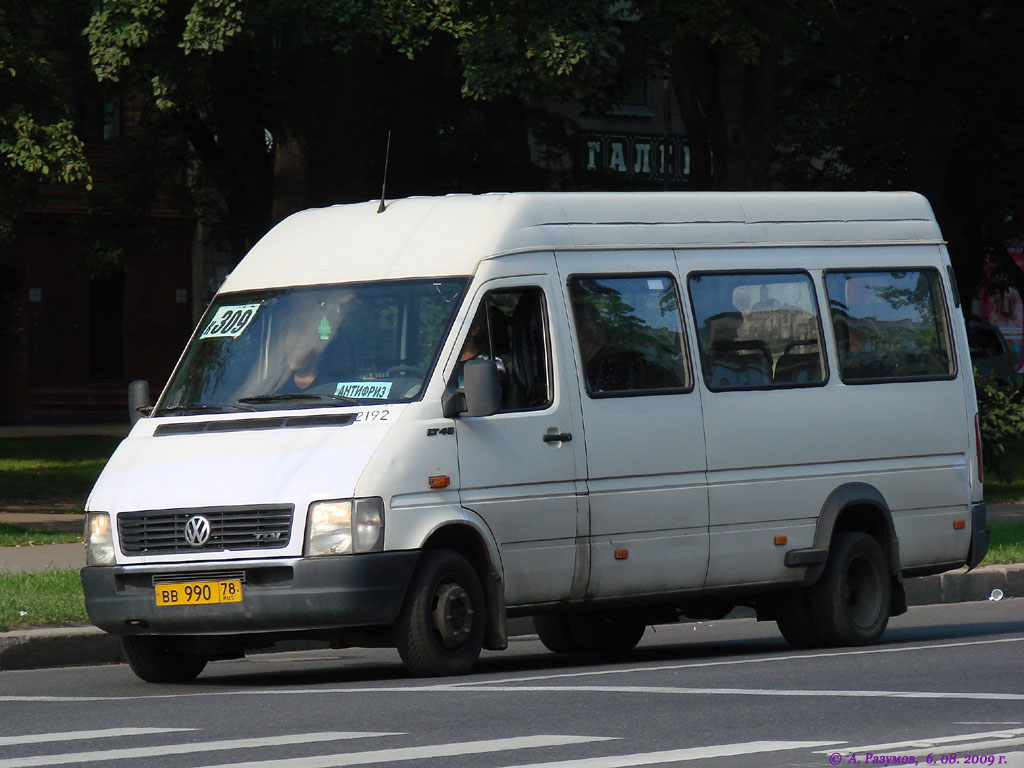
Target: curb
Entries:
(83, 646)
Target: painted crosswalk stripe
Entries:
(184, 749)
(100, 733)
(417, 753)
(933, 741)
(681, 755)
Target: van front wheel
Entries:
(850, 602)
(440, 630)
(161, 659)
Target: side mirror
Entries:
(482, 385)
(138, 400)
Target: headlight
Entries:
(345, 527)
(99, 539)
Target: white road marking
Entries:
(417, 753)
(772, 692)
(680, 755)
(734, 662)
(184, 749)
(105, 733)
(499, 688)
(932, 741)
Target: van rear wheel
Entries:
(555, 632)
(440, 630)
(850, 603)
(161, 659)
(601, 632)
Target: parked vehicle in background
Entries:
(399, 425)
(990, 353)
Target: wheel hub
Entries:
(452, 615)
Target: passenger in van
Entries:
(605, 367)
(734, 363)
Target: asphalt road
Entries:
(947, 682)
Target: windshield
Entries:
(364, 344)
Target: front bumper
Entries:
(979, 535)
(277, 595)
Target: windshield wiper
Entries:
(298, 396)
(220, 407)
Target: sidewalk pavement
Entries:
(84, 645)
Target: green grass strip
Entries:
(1007, 543)
(49, 598)
(49, 468)
(19, 536)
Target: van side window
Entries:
(890, 326)
(758, 330)
(630, 334)
(510, 327)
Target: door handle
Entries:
(557, 437)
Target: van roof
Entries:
(451, 235)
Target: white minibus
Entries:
(402, 425)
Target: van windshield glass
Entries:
(308, 347)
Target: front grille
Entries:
(163, 530)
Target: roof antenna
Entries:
(384, 183)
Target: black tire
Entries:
(440, 629)
(850, 603)
(606, 633)
(161, 659)
(795, 622)
(556, 633)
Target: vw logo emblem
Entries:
(197, 531)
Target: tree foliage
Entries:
(1000, 420)
(38, 143)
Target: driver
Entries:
(305, 341)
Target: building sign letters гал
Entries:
(640, 157)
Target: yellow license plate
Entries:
(199, 592)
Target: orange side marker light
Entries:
(959, 524)
(621, 554)
(439, 481)
(780, 540)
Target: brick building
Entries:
(90, 301)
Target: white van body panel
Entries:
(413, 237)
(236, 468)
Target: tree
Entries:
(39, 52)
(922, 95)
(289, 104)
